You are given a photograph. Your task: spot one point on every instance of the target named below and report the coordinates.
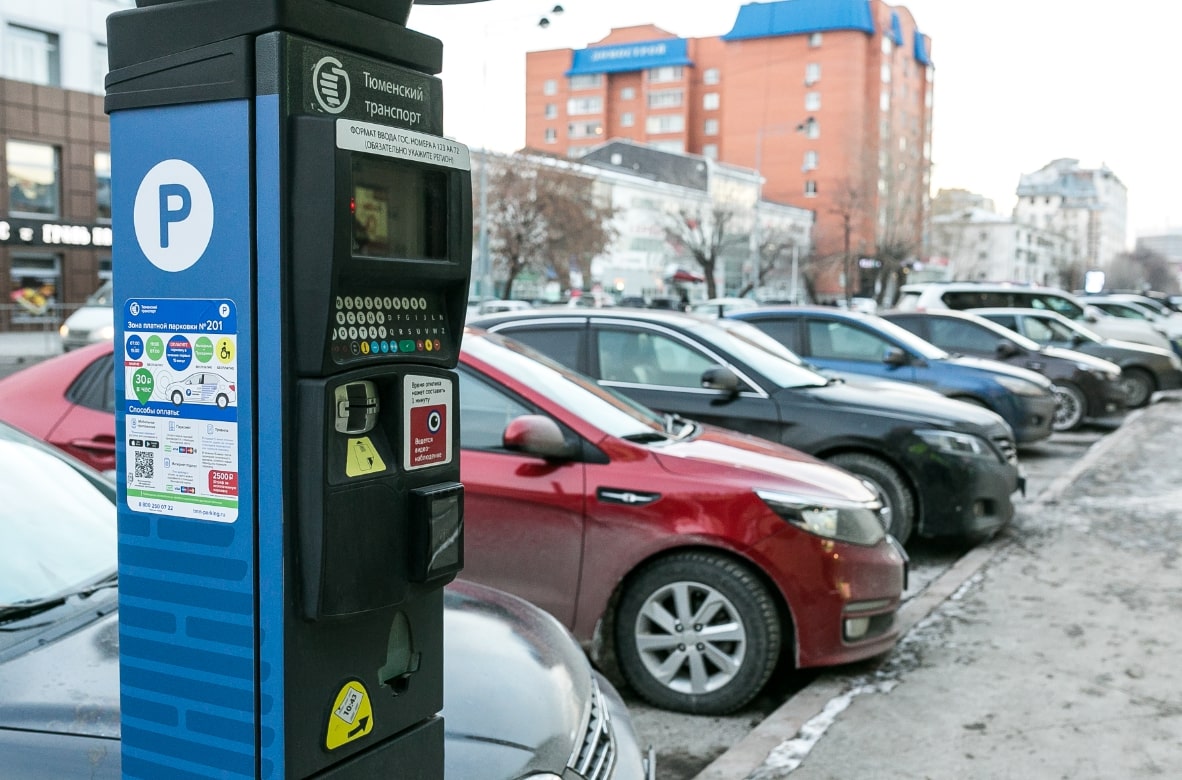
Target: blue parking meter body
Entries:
(291, 263)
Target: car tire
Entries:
(177, 397)
(222, 401)
(1138, 386)
(890, 486)
(728, 657)
(1070, 408)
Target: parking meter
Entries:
(291, 262)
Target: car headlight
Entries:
(105, 333)
(64, 331)
(856, 523)
(955, 443)
(1021, 386)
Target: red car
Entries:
(68, 401)
(700, 556)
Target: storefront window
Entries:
(33, 288)
(34, 181)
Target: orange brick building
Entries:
(831, 100)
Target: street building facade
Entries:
(977, 244)
(1088, 206)
(55, 210)
(829, 101)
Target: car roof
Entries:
(664, 316)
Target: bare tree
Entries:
(1140, 269)
(704, 238)
(544, 217)
(900, 211)
(775, 250)
(850, 205)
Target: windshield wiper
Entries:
(677, 426)
(30, 607)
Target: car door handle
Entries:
(625, 496)
(101, 444)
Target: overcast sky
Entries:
(1018, 83)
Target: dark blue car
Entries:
(856, 343)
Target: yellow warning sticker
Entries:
(352, 716)
(363, 458)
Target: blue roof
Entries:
(896, 29)
(793, 17)
(625, 57)
(921, 49)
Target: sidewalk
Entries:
(1050, 653)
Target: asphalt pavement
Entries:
(1050, 652)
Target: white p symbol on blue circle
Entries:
(173, 215)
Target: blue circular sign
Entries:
(135, 347)
(179, 352)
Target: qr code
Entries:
(145, 465)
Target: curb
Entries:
(749, 754)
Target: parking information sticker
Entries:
(180, 364)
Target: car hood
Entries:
(917, 408)
(1095, 363)
(515, 685)
(997, 367)
(720, 456)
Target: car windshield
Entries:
(1022, 341)
(761, 352)
(57, 520)
(1067, 330)
(605, 409)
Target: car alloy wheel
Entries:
(1138, 387)
(697, 632)
(1070, 405)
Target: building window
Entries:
(102, 186)
(711, 101)
(33, 284)
(584, 130)
(582, 106)
(810, 161)
(886, 73)
(812, 128)
(665, 98)
(887, 44)
(665, 123)
(710, 151)
(551, 111)
(627, 119)
(665, 74)
(676, 147)
(34, 180)
(628, 93)
(810, 188)
(711, 76)
(99, 68)
(32, 55)
(814, 40)
(586, 81)
(711, 127)
(812, 101)
(550, 87)
(551, 135)
(884, 100)
(812, 73)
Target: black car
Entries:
(1144, 370)
(1087, 388)
(944, 468)
(520, 699)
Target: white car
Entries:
(1134, 307)
(93, 322)
(990, 295)
(204, 387)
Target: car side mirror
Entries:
(1006, 349)
(894, 356)
(537, 434)
(722, 379)
(1077, 339)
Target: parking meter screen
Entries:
(399, 210)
